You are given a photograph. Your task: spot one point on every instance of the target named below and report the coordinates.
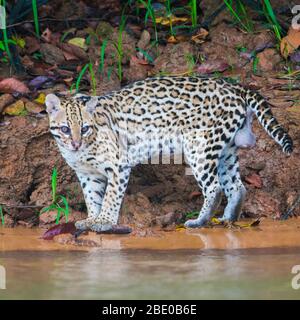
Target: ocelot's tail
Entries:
(265, 116)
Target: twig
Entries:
(286, 215)
(54, 20)
(21, 206)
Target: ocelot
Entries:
(103, 137)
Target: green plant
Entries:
(190, 59)
(119, 45)
(193, 5)
(240, 14)
(4, 31)
(1, 214)
(35, 18)
(102, 54)
(169, 13)
(59, 202)
(92, 78)
(192, 215)
(150, 12)
(255, 64)
(270, 16)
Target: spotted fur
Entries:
(102, 138)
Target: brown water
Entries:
(200, 264)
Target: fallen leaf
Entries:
(32, 45)
(15, 109)
(47, 35)
(166, 21)
(213, 66)
(200, 36)
(41, 98)
(79, 42)
(194, 194)
(59, 229)
(74, 50)
(254, 180)
(5, 99)
(290, 42)
(136, 61)
(11, 85)
(177, 39)
(39, 81)
(33, 107)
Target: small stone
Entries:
(5, 99)
(268, 60)
(52, 54)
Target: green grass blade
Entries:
(83, 70)
(36, 18)
(93, 79)
(54, 184)
(2, 215)
(102, 54)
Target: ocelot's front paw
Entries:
(196, 223)
(85, 224)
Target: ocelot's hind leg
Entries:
(204, 164)
(231, 183)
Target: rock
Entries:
(48, 217)
(168, 219)
(33, 107)
(268, 60)
(52, 54)
(8, 221)
(5, 99)
(144, 40)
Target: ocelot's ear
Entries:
(91, 104)
(52, 103)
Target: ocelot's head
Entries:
(71, 120)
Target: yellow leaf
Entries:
(180, 227)
(166, 21)
(16, 109)
(290, 42)
(41, 98)
(215, 220)
(79, 42)
(19, 41)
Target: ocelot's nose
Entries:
(76, 144)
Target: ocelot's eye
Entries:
(65, 130)
(85, 129)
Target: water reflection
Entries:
(146, 274)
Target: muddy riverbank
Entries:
(269, 234)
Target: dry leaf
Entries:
(47, 35)
(290, 42)
(254, 180)
(200, 36)
(166, 21)
(15, 109)
(11, 85)
(177, 39)
(194, 194)
(33, 107)
(136, 61)
(79, 42)
(213, 66)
